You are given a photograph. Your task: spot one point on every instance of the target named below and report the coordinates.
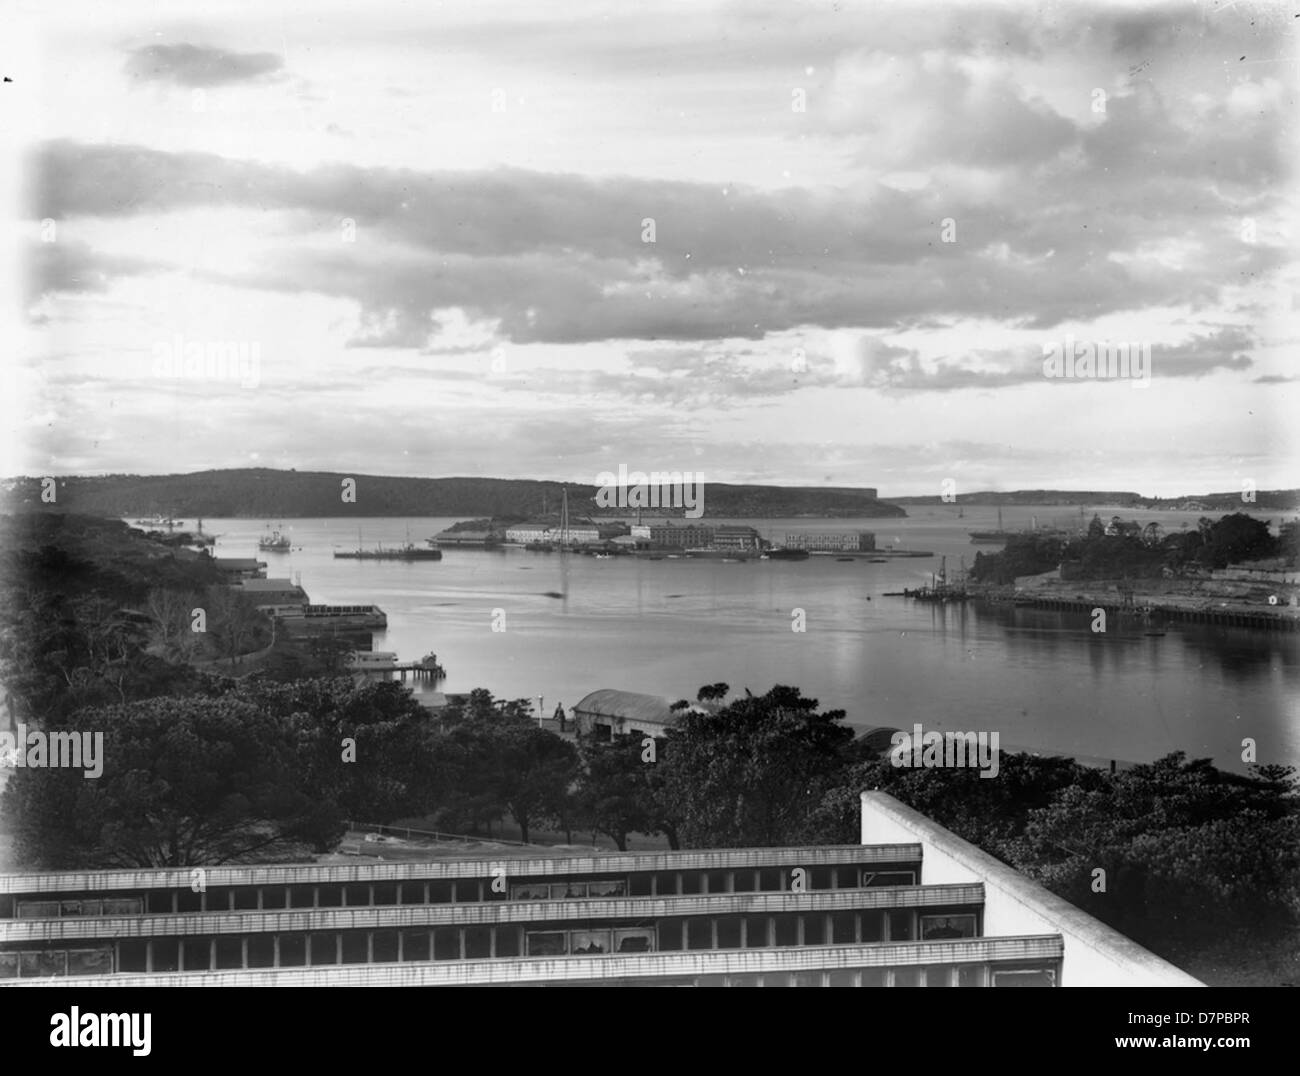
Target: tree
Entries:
(185, 782)
(752, 773)
(535, 770)
(615, 790)
(232, 621)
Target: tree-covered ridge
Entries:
(264, 493)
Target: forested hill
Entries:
(264, 493)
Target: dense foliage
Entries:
(1138, 552)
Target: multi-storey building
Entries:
(681, 536)
(916, 906)
(736, 538)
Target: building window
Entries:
(530, 891)
(478, 943)
(729, 932)
(197, 953)
(873, 976)
(446, 943)
(938, 975)
(90, 961)
(166, 954)
(814, 929)
(842, 977)
(507, 941)
(589, 942)
(873, 926)
(546, 943)
(634, 940)
(787, 930)
(935, 927)
(230, 953)
(970, 975)
(900, 926)
(324, 949)
(844, 926)
(670, 935)
(699, 933)
(872, 877)
(415, 946)
(132, 955)
(1024, 977)
(261, 951)
(356, 947)
(907, 976)
(613, 887)
(293, 951)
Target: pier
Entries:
(1228, 618)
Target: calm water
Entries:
(1042, 680)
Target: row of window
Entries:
(230, 952)
(43, 964)
(471, 890)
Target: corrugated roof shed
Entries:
(627, 704)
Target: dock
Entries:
(1223, 617)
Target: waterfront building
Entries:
(272, 593)
(234, 569)
(475, 538)
(680, 536)
(608, 713)
(737, 538)
(582, 533)
(832, 541)
(912, 905)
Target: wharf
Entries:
(1226, 615)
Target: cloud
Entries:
(194, 66)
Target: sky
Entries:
(782, 242)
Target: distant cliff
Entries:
(261, 493)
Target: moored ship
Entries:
(273, 542)
(404, 552)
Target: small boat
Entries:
(877, 560)
(844, 560)
(1154, 634)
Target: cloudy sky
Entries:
(785, 242)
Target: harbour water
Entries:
(1043, 680)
